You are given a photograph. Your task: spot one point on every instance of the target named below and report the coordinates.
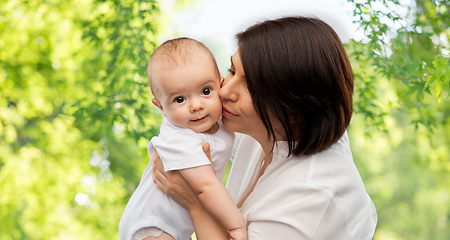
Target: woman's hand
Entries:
(174, 185)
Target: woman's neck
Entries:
(267, 147)
(268, 155)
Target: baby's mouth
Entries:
(199, 119)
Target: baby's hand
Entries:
(238, 234)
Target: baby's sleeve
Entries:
(180, 151)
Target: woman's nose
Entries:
(228, 91)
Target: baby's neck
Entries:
(213, 129)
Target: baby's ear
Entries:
(158, 104)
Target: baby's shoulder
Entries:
(222, 132)
(180, 133)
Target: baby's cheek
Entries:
(217, 108)
(179, 118)
(219, 104)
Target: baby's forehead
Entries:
(171, 59)
(169, 77)
(175, 54)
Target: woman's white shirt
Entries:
(318, 196)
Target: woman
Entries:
(296, 179)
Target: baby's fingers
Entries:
(238, 234)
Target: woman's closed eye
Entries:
(179, 99)
(231, 71)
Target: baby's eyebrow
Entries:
(174, 94)
(208, 81)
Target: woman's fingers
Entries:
(159, 179)
(157, 161)
(173, 184)
(158, 172)
(176, 187)
(207, 151)
(166, 181)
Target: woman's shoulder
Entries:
(244, 144)
(302, 206)
(316, 210)
(322, 187)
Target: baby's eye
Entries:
(179, 99)
(206, 91)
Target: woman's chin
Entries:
(231, 125)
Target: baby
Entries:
(185, 82)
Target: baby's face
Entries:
(189, 94)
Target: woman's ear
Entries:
(157, 104)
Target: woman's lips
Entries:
(227, 113)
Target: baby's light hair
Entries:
(174, 53)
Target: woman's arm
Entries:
(176, 187)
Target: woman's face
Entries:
(238, 113)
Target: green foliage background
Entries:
(75, 116)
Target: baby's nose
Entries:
(196, 105)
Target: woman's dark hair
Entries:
(297, 71)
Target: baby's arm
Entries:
(216, 199)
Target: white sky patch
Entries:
(222, 19)
(216, 22)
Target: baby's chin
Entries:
(201, 130)
(207, 129)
